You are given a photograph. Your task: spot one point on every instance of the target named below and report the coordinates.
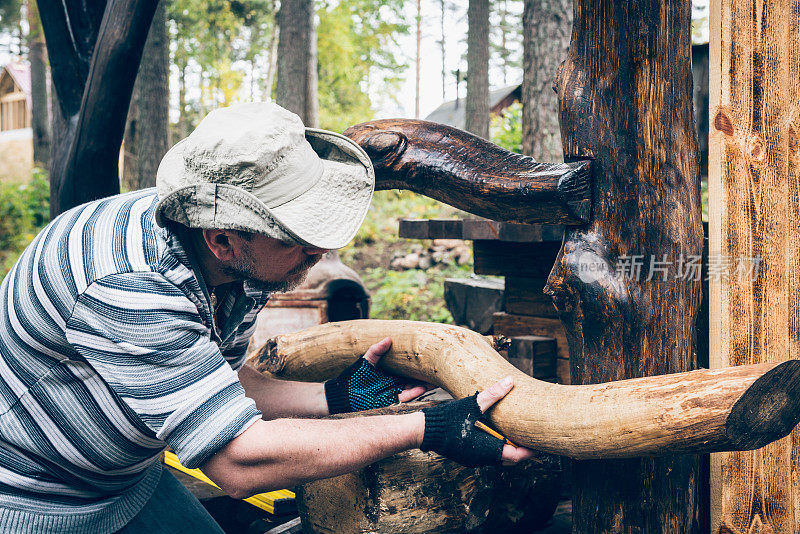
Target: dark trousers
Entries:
(172, 510)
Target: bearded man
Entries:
(125, 325)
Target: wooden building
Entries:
(16, 135)
(15, 97)
(453, 113)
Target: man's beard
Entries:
(245, 270)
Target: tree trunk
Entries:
(269, 79)
(546, 26)
(625, 95)
(418, 58)
(754, 182)
(296, 53)
(147, 129)
(94, 55)
(477, 105)
(40, 120)
(443, 48)
(311, 117)
(130, 148)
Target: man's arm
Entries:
(286, 452)
(285, 398)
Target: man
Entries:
(125, 320)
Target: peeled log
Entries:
(472, 174)
(735, 408)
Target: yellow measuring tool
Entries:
(275, 502)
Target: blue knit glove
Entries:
(360, 387)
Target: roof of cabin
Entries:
(453, 112)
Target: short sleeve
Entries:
(146, 339)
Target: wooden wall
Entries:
(754, 183)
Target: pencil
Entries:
(493, 432)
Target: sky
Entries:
(455, 34)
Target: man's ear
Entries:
(219, 243)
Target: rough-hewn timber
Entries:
(472, 174)
(754, 186)
(698, 411)
(625, 93)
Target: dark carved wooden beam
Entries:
(93, 95)
(472, 174)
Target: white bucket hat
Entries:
(255, 167)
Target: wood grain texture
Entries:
(479, 229)
(533, 260)
(390, 495)
(526, 296)
(697, 411)
(472, 174)
(625, 93)
(754, 184)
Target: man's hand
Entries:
(450, 430)
(410, 390)
(363, 386)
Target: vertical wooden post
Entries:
(625, 95)
(754, 184)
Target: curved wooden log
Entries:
(472, 174)
(735, 408)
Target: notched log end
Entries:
(266, 359)
(575, 190)
(768, 410)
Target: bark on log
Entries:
(472, 174)
(725, 409)
(390, 495)
(93, 95)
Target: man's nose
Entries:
(315, 251)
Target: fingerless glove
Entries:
(450, 431)
(361, 387)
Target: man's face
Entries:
(271, 263)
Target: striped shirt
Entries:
(108, 353)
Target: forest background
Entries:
(371, 59)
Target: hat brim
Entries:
(328, 215)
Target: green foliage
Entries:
(211, 40)
(413, 295)
(704, 198)
(355, 48)
(24, 210)
(10, 14)
(387, 208)
(506, 129)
